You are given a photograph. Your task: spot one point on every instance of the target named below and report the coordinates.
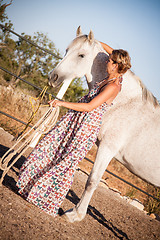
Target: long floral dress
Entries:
(47, 174)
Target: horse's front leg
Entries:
(103, 157)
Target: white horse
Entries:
(130, 130)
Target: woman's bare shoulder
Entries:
(112, 86)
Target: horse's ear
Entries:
(79, 31)
(91, 36)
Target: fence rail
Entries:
(14, 118)
(31, 42)
(47, 51)
(29, 83)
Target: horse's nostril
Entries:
(55, 76)
(52, 79)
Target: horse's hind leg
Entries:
(103, 157)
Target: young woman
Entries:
(47, 174)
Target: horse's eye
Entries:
(81, 55)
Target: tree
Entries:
(24, 59)
(27, 61)
(75, 91)
(33, 63)
(4, 37)
(3, 15)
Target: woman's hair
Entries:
(123, 59)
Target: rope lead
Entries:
(34, 112)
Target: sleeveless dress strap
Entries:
(111, 81)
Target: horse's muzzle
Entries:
(52, 79)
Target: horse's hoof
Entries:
(72, 216)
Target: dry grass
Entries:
(16, 103)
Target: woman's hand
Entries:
(107, 48)
(55, 103)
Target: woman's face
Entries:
(111, 65)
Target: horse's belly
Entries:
(143, 160)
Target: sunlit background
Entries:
(133, 25)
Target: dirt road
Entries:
(109, 216)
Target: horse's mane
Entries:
(83, 38)
(147, 96)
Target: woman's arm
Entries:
(106, 47)
(109, 92)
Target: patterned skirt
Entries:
(47, 174)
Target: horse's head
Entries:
(78, 60)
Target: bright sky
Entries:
(133, 25)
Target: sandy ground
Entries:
(108, 217)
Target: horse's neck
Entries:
(131, 89)
(98, 70)
(130, 86)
